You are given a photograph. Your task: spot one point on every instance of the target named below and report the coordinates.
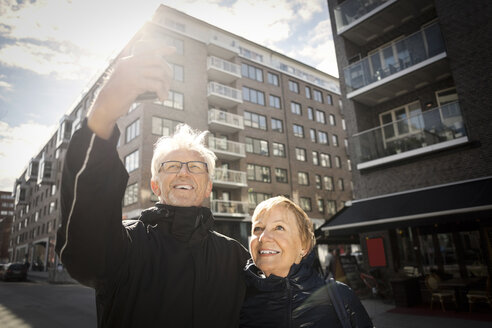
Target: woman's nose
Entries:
(265, 235)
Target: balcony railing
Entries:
(394, 58)
(427, 131)
(224, 118)
(223, 146)
(223, 65)
(229, 208)
(230, 177)
(351, 10)
(225, 91)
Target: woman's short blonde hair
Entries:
(303, 222)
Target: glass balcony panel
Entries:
(394, 58)
(224, 146)
(229, 207)
(225, 118)
(419, 130)
(351, 10)
(225, 176)
(224, 90)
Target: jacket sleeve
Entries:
(92, 241)
(357, 312)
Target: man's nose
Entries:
(183, 170)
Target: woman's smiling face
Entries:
(276, 241)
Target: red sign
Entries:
(375, 252)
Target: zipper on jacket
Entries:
(289, 302)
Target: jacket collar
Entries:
(299, 275)
(186, 224)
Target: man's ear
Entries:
(209, 189)
(155, 188)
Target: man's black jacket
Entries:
(167, 269)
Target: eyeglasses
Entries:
(195, 167)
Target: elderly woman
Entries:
(284, 290)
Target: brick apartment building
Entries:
(6, 215)
(276, 128)
(415, 83)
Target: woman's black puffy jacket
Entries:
(298, 300)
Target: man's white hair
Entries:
(184, 138)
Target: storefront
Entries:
(444, 229)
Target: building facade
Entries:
(415, 84)
(275, 125)
(6, 215)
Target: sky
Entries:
(51, 51)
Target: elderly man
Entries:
(169, 268)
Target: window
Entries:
(305, 203)
(256, 121)
(310, 114)
(259, 173)
(402, 121)
(349, 165)
(52, 207)
(312, 134)
(256, 146)
(131, 161)
(315, 158)
(178, 72)
(334, 139)
(344, 126)
(298, 130)
(328, 182)
(253, 96)
(303, 178)
(325, 160)
(320, 117)
(294, 86)
(277, 125)
(132, 131)
(177, 43)
(275, 102)
(301, 154)
(281, 175)
(322, 137)
(329, 99)
(308, 92)
(278, 149)
(163, 126)
(295, 108)
(131, 195)
(252, 72)
(338, 162)
(273, 79)
(321, 206)
(174, 100)
(331, 207)
(341, 187)
(318, 181)
(333, 121)
(255, 198)
(318, 96)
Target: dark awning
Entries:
(415, 207)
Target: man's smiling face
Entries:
(182, 188)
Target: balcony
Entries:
(361, 21)
(229, 208)
(32, 170)
(226, 149)
(399, 68)
(223, 96)
(223, 48)
(64, 132)
(222, 70)
(425, 132)
(20, 192)
(47, 171)
(229, 178)
(225, 122)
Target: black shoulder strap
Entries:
(337, 302)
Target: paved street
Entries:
(39, 304)
(43, 305)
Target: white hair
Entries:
(184, 138)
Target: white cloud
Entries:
(17, 146)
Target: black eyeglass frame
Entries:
(187, 166)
